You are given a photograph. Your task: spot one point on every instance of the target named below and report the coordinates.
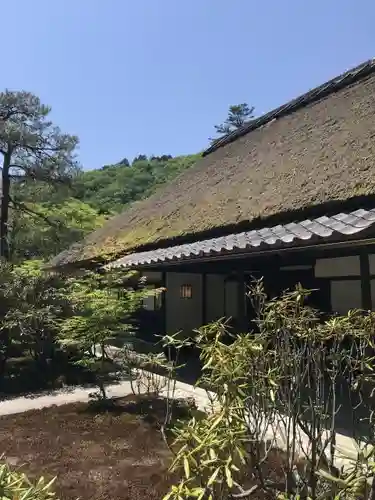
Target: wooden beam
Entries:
(365, 281)
(164, 302)
(241, 290)
(204, 298)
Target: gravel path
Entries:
(81, 394)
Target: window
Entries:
(338, 267)
(186, 291)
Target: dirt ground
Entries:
(102, 455)
(117, 455)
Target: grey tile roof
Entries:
(313, 95)
(322, 229)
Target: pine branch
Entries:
(25, 208)
(38, 175)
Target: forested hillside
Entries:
(55, 216)
(112, 187)
(49, 200)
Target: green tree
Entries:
(32, 148)
(238, 115)
(104, 308)
(32, 302)
(124, 162)
(139, 158)
(112, 188)
(54, 229)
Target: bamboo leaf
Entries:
(212, 479)
(216, 422)
(336, 480)
(197, 493)
(241, 454)
(208, 364)
(186, 468)
(229, 478)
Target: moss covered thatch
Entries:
(319, 153)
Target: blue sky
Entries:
(154, 76)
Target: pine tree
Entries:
(238, 115)
(32, 149)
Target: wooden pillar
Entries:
(365, 281)
(204, 299)
(241, 292)
(164, 302)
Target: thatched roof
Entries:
(307, 157)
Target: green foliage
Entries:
(212, 451)
(34, 301)
(238, 115)
(38, 149)
(16, 486)
(353, 481)
(47, 202)
(112, 188)
(281, 380)
(60, 322)
(32, 148)
(52, 219)
(104, 307)
(50, 228)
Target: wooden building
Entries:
(290, 197)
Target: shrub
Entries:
(32, 302)
(16, 486)
(278, 390)
(104, 307)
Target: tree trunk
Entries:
(4, 355)
(4, 214)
